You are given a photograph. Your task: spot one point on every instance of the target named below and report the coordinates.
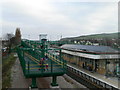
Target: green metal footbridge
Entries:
(39, 60)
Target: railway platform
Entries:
(112, 81)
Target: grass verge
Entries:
(7, 64)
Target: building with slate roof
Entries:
(101, 59)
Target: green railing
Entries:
(31, 53)
(35, 56)
(22, 60)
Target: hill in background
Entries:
(111, 39)
(94, 36)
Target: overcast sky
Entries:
(59, 17)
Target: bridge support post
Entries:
(33, 85)
(54, 81)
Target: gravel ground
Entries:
(65, 82)
(19, 81)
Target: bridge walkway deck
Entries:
(33, 66)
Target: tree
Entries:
(7, 38)
(17, 36)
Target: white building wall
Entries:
(92, 56)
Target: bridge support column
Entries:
(33, 85)
(54, 81)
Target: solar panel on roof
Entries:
(89, 48)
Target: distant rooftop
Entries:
(89, 48)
